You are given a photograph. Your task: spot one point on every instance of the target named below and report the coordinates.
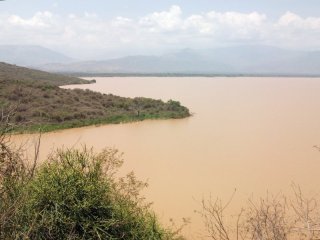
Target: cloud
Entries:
(39, 20)
(227, 26)
(90, 33)
(294, 21)
(163, 21)
(292, 30)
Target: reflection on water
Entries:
(252, 134)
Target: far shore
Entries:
(232, 75)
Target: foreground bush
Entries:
(76, 195)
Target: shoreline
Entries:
(47, 128)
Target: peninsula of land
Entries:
(38, 103)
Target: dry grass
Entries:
(277, 217)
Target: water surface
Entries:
(252, 134)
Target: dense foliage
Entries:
(41, 103)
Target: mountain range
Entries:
(229, 60)
(31, 55)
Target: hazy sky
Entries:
(104, 29)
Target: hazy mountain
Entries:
(140, 64)
(266, 60)
(29, 55)
(229, 60)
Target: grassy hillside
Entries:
(40, 103)
(15, 73)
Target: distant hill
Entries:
(38, 102)
(28, 55)
(141, 64)
(12, 73)
(266, 60)
(229, 60)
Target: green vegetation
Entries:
(40, 103)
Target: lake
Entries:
(253, 134)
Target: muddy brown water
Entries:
(250, 134)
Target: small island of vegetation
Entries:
(40, 103)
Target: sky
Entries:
(102, 29)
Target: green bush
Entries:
(76, 195)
